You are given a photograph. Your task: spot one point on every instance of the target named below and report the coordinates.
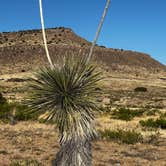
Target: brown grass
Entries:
(30, 140)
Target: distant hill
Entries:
(23, 51)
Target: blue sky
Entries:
(138, 25)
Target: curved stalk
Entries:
(44, 34)
(98, 30)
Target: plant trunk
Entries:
(74, 153)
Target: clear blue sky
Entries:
(130, 24)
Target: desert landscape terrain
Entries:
(132, 120)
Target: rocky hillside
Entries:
(23, 51)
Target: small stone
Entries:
(117, 164)
(155, 157)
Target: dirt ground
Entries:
(30, 140)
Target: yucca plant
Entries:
(66, 94)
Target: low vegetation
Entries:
(16, 111)
(121, 136)
(140, 89)
(155, 123)
(127, 114)
(152, 112)
(5, 108)
(22, 115)
(26, 162)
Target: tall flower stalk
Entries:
(44, 34)
(98, 30)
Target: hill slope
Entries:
(23, 50)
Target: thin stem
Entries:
(44, 35)
(98, 30)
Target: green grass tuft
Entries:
(127, 114)
(121, 136)
(158, 123)
(15, 110)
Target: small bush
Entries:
(102, 46)
(22, 70)
(22, 115)
(2, 99)
(163, 115)
(121, 136)
(154, 138)
(158, 123)
(49, 42)
(105, 110)
(4, 108)
(15, 110)
(152, 112)
(140, 89)
(127, 114)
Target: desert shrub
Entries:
(102, 46)
(83, 44)
(4, 107)
(61, 27)
(16, 110)
(2, 99)
(105, 110)
(22, 115)
(140, 89)
(25, 162)
(23, 70)
(152, 112)
(127, 114)
(154, 138)
(163, 115)
(158, 123)
(121, 136)
(5, 110)
(49, 42)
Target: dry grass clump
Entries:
(26, 162)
